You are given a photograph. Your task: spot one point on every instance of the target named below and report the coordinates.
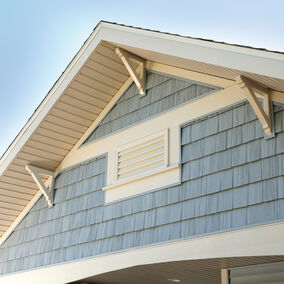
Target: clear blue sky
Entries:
(38, 38)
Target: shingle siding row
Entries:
(162, 94)
(231, 178)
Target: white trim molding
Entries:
(156, 179)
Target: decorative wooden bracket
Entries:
(47, 191)
(138, 74)
(263, 113)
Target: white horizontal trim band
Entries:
(144, 175)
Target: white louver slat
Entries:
(142, 156)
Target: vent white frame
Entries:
(162, 144)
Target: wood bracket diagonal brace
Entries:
(263, 113)
(47, 191)
(138, 74)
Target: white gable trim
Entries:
(263, 240)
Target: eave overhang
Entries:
(93, 79)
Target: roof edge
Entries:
(46, 99)
(203, 42)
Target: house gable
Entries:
(227, 177)
(235, 183)
(94, 78)
(163, 92)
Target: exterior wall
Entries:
(232, 175)
(231, 178)
(163, 93)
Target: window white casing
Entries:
(143, 165)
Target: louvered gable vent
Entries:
(142, 156)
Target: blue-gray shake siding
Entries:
(163, 93)
(231, 178)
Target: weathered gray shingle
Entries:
(163, 93)
(239, 217)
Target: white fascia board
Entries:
(51, 98)
(263, 240)
(229, 56)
